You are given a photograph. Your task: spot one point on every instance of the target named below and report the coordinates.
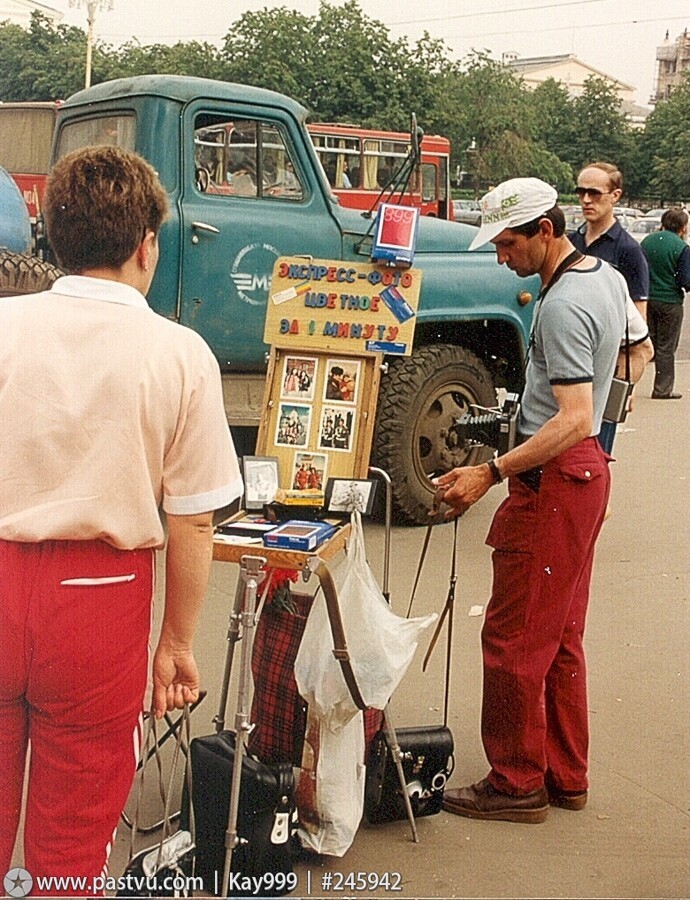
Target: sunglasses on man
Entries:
(594, 193)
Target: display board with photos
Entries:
(318, 418)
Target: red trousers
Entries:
(73, 670)
(535, 723)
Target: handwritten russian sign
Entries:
(345, 307)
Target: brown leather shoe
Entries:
(572, 800)
(483, 801)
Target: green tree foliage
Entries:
(553, 118)
(272, 48)
(193, 58)
(358, 76)
(45, 62)
(599, 129)
(664, 145)
(494, 126)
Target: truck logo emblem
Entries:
(251, 272)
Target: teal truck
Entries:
(245, 187)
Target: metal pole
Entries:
(90, 18)
(252, 572)
(233, 637)
(389, 516)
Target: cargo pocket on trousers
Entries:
(582, 472)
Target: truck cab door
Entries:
(249, 195)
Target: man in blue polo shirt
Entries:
(600, 187)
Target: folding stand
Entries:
(252, 573)
(389, 728)
(253, 563)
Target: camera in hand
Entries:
(493, 428)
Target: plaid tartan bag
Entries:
(279, 714)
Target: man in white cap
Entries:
(534, 717)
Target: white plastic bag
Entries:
(381, 644)
(330, 790)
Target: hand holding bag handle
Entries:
(172, 850)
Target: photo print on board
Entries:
(299, 378)
(337, 428)
(342, 380)
(309, 471)
(293, 425)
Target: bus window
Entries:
(369, 159)
(429, 191)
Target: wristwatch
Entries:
(495, 471)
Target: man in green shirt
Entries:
(668, 257)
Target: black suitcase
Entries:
(266, 822)
(427, 759)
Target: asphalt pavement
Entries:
(633, 838)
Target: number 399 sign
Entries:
(395, 235)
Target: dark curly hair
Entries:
(99, 204)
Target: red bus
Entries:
(26, 134)
(359, 162)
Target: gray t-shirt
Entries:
(576, 336)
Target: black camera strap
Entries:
(572, 259)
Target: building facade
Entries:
(18, 12)
(673, 60)
(572, 73)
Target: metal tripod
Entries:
(389, 728)
(252, 573)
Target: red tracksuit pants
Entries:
(73, 670)
(535, 722)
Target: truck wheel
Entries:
(419, 398)
(21, 273)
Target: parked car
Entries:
(640, 228)
(573, 217)
(655, 213)
(630, 212)
(467, 211)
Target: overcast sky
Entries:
(618, 37)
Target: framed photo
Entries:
(293, 425)
(309, 472)
(260, 480)
(343, 495)
(342, 380)
(337, 429)
(299, 378)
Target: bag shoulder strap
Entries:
(340, 651)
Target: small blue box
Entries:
(298, 535)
